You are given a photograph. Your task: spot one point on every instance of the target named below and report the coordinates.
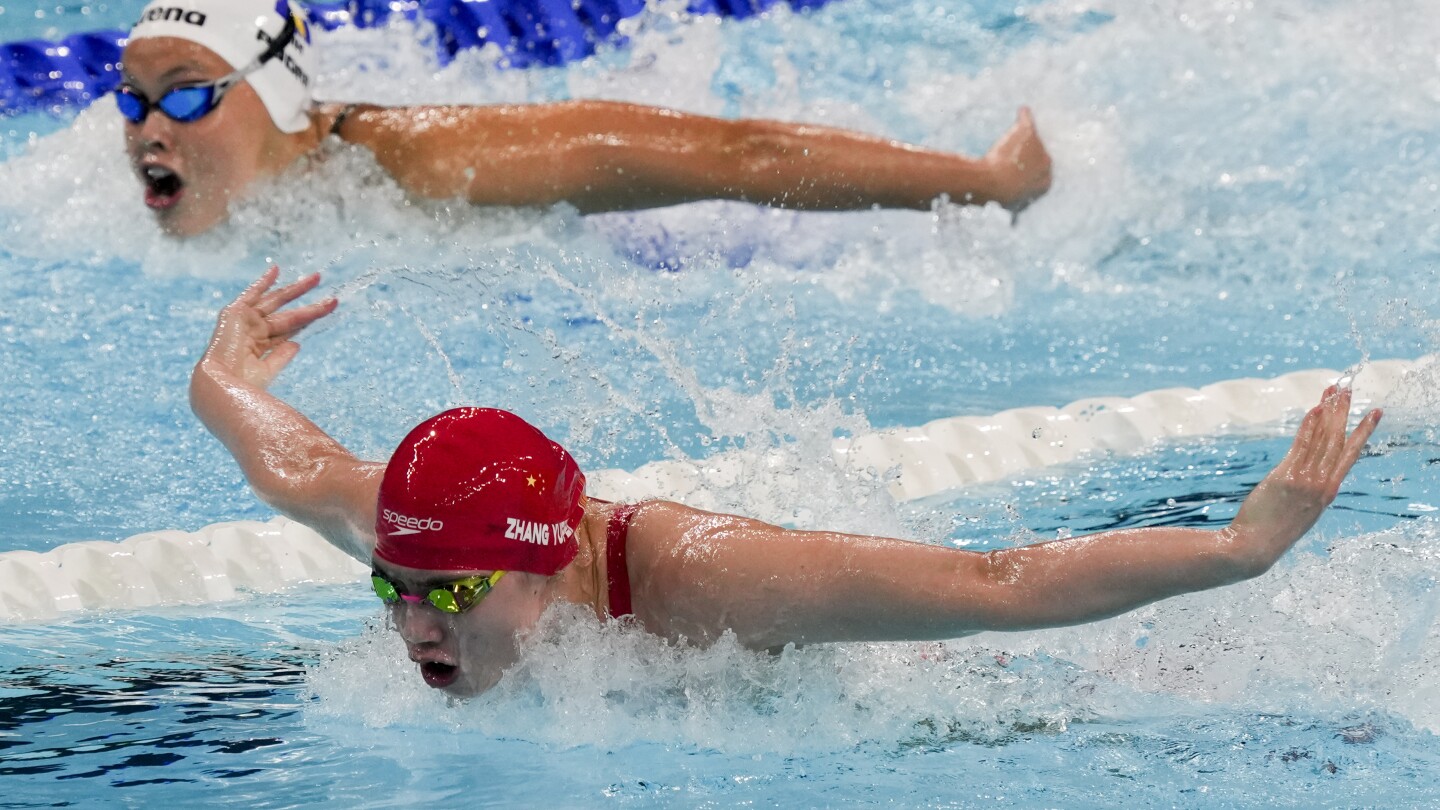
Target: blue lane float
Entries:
(39, 75)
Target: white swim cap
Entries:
(238, 31)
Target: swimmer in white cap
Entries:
(217, 94)
(477, 523)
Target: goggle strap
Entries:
(277, 45)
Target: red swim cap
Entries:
(479, 489)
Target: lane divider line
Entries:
(219, 561)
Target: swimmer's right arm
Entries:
(289, 461)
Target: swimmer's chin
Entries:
(182, 214)
(179, 224)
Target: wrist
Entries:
(1000, 180)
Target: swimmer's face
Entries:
(465, 653)
(192, 171)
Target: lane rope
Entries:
(218, 562)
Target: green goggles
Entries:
(451, 597)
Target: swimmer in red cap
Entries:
(479, 522)
(216, 94)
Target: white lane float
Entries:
(216, 562)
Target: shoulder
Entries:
(654, 519)
(669, 527)
(600, 514)
(360, 123)
(345, 120)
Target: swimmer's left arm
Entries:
(772, 586)
(609, 156)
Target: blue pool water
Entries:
(1240, 191)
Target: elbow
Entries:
(758, 148)
(1240, 557)
(750, 161)
(1002, 601)
(796, 167)
(281, 490)
(291, 482)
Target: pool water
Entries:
(1240, 191)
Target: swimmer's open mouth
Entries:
(163, 187)
(439, 675)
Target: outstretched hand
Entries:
(254, 339)
(1291, 498)
(1020, 163)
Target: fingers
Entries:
(278, 325)
(1315, 439)
(252, 294)
(1355, 445)
(1302, 451)
(278, 298)
(1323, 451)
(1336, 404)
(260, 296)
(287, 324)
(279, 358)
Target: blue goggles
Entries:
(183, 104)
(191, 102)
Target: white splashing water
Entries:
(1356, 631)
(1167, 104)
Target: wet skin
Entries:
(191, 172)
(465, 653)
(598, 156)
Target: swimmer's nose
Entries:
(418, 624)
(156, 132)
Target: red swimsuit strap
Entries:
(616, 569)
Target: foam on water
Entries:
(1185, 65)
(1352, 633)
(1241, 189)
(1148, 209)
(1135, 160)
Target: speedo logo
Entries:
(404, 524)
(173, 14)
(541, 534)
